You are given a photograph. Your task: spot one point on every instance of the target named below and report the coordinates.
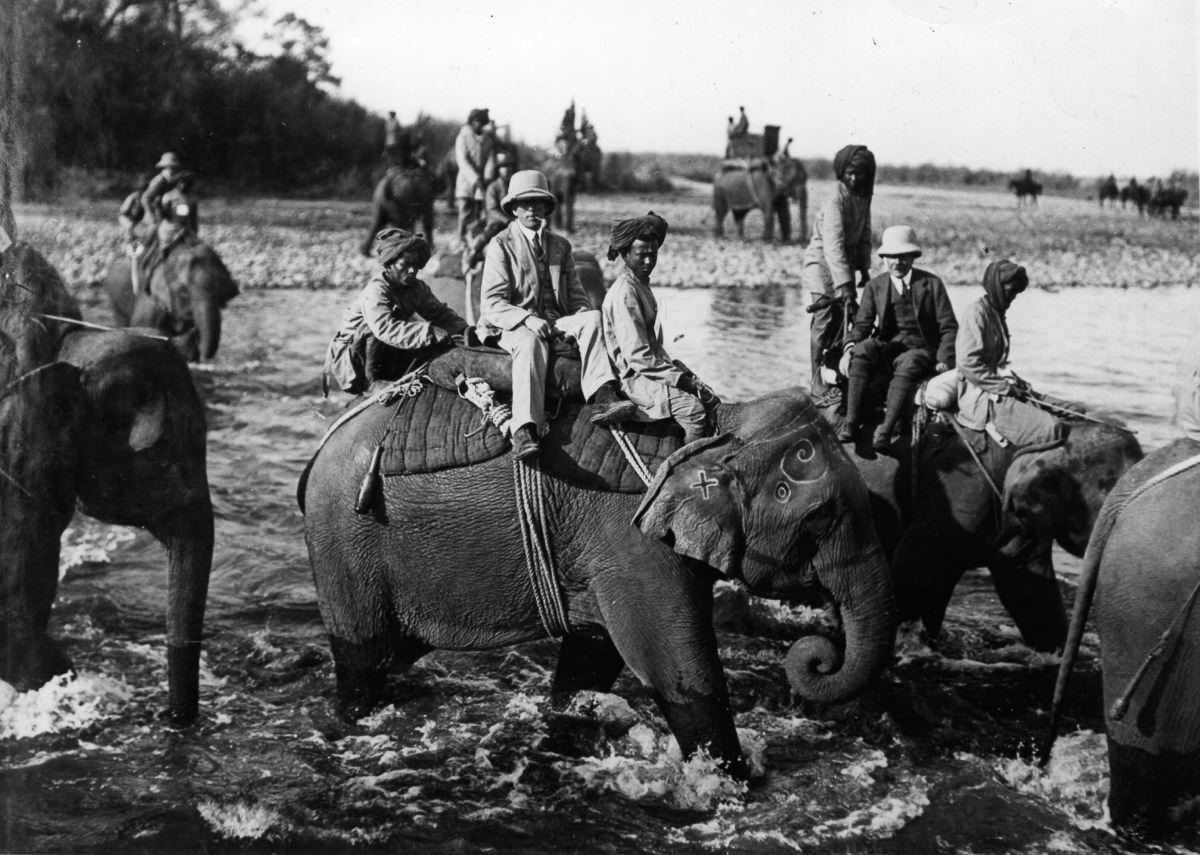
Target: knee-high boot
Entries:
(856, 391)
(899, 402)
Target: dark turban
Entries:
(861, 157)
(391, 243)
(625, 232)
(1001, 273)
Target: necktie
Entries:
(543, 273)
(537, 247)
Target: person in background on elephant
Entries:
(990, 396)
(392, 133)
(379, 337)
(130, 215)
(740, 128)
(661, 387)
(496, 219)
(838, 250)
(473, 150)
(531, 293)
(905, 329)
(178, 224)
(170, 168)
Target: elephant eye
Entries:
(783, 491)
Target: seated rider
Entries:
(380, 338)
(661, 387)
(990, 396)
(130, 214)
(530, 294)
(164, 180)
(905, 329)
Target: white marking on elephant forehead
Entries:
(703, 484)
(805, 451)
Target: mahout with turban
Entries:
(625, 232)
(391, 243)
(863, 159)
(996, 276)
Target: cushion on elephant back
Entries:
(739, 190)
(439, 430)
(495, 366)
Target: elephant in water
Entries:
(403, 198)
(766, 186)
(1143, 568)
(183, 299)
(953, 520)
(771, 500)
(110, 423)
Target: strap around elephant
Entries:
(539, 554)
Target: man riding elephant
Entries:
(905, 330)
(473, 153)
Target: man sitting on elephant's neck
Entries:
(904, 329)
(380, 339)
(531, 294)
(661, 387)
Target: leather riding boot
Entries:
(611, 408)
(896, 416)
(856, 391)
(524, 442)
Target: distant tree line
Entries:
(108, 85)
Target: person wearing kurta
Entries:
(473, 154)
(661, 387)
(988, 392)
(905, 329)
(529, 294)
(1187, 392)
(839, 248)
(394, 321)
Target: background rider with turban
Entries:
(660, 386)
(380, 337)
(839, 248)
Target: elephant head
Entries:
(41, 418)
(775, 503)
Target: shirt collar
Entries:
(902, 284)
(529, 233)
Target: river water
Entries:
(935, 759)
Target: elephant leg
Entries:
(378, 223)
(1140, 790)
(784, 213)
(1030, 595)
(428, 219)
(739, 221)
(361, 669)
(585, 662)
(720, 209)
(925, 579)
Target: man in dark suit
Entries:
(905, 327)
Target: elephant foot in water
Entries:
(706, 723)
(1146, 790)
(586, 662)
(361, 669)
(28, 665)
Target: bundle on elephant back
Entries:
(108, 422)
(953, 499)
(181, 297)
(491, 552)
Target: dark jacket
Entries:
(935, 315)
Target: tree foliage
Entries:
(111, 84)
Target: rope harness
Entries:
(631, 454)
(539, 556)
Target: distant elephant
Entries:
(186, 293)
(403, 198)
(1143, 568)
(1107, 191)
(770, 499)
(1026, 190)
(445, 177)
(954, 521)
(563, 175)
(1166, 199)
(1136, 193)
(137, 456)
(766, 187)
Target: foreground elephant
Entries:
(184, 298)
(954, 521)
(766, 187)
(1143, 567)
(403, 198)
(771, 500)
(135, 455)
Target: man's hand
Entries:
(541, 328)
(844, 362)
(687, 383)
(941, 367)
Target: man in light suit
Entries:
(905, 327)
(529, 294)
(473, 152)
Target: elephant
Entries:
(770, 499)
(1166, 199)
(403, 198)
(1142, 567)
(953, 520)
(764, 185)
(1107, 191)
(1026, 190)
(183, 299)
(127, 447)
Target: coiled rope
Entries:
(539, 557)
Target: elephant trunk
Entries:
(816, 669)
(188, 537)
(207, 316)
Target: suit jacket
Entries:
(509, 289)
(935, 315)
(983, 345)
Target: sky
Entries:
(1082, 86)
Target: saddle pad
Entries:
(439, 430)
(495, 366)
(739, 192)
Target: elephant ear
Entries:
(1040, 498)
(695, 503)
